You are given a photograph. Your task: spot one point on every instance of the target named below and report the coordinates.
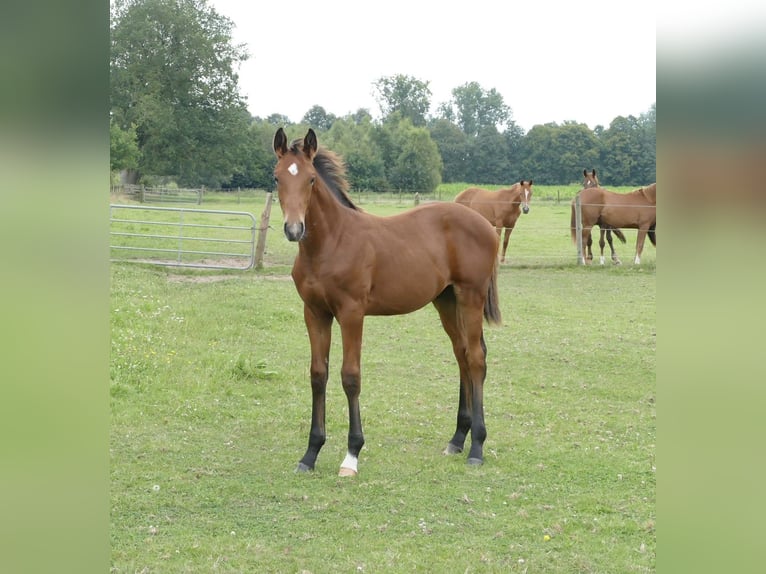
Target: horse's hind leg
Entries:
(471, 353)
(446, 306)
(602, 243)
(587, 242)
(609, 239)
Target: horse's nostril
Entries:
(294, 231)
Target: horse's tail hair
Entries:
(573, 225)
(620, 235)
(491, 303)
(652, 234)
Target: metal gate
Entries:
(182, 237)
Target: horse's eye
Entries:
(313, 179)
(276, 179)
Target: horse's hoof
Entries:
(346, 471)
(475, 461)
(303, 468)
(452, 449)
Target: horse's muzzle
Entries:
(295, 231)
(525, 209)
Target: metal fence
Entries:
(145, 194)
(182, 237)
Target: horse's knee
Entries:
(351, 381)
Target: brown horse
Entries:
(501, 208)
(591, 180)
(351, 264)
(634, 210)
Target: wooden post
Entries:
(578, 231)
(261, 246)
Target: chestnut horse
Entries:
(351, 264)
(591, 180)
(633, 210)
(501, 208)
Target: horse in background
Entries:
(591, 180)
(633, 210)
(501, 208)
(351, 264)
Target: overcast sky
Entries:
(552, 61)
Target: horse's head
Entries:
(525, 195)
(294, 176)
(590, 179)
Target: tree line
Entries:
(176, 114)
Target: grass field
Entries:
(210, 408)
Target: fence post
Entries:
(578, 230)
(261, 246)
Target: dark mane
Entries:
(332, 169)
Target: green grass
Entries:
(210, 409)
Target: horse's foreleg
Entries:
(351, 378)
(640, 244)
(320, 332)
(506, 238)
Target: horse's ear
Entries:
(585, 172)
(530, 183)
(310, 144)
(593, 172)
(280, 143)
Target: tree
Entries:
(404, 94)
(455, 150)
(257, 162)
(354, 141)
(172, 75)
(123, 148)
(477, 109)
(622, 149)
(411, 157)
(318, 118)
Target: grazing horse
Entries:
(633, 210)
(591, 180)
(501, 208)
(351, 264)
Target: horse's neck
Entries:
(511, 192)
(324, 217)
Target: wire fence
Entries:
(541, 238)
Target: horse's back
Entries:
(482, 201)
(468, 195)
(453, 226)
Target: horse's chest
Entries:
(326, 289)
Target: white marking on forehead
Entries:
(293, 169)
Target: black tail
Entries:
(652, 234)
(620, 235)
